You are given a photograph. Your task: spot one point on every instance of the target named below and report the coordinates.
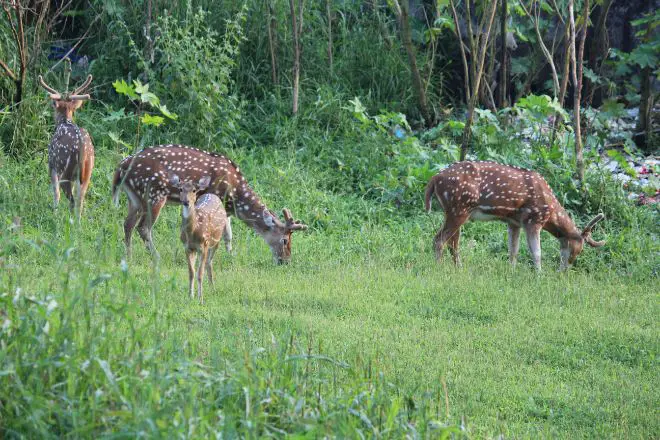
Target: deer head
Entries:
(66, 103)
(572, 246)
(188, 191)
(278, 234)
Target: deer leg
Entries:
(191, 255)
(227, 235)
(66, 188)
(200, 273)
(451, 227)
(209, 265)
(453, 246)
(79, 200)
(533, 233)
(129, 224)
(55, 186)
(514, 243)
(147, 223)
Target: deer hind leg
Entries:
(66, 188)
(227, 235)
(514, 243)
(450, 232)
(85, 178)
(134, 212)
(533, 233)
(146, 225)
(191, 256)
(55, 186)
(209, 264)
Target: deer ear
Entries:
(174, 180)
(204, 182)
(268, 219)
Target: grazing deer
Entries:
(70, 152)
(521, 198)
(203, 222)
(144, 179)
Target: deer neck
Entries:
(247, 206)
(562, 226)
(189, 216)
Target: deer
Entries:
(70, 151)
(486, 191)
(144, 178)
(203, 223)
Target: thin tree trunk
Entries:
(466, 69)
(579, 153)
(534, 17)
(644, 125)
(296, 25)
(567, 63)
(467, 131)
(272, 34)
(406, 38)
(329, 13)
(504, 77)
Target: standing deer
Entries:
(203, 222)
(521, 198)
(144, 179)
(70, 152)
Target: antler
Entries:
(86, 84)
(292, 224)
(586, 232)
(54, 94)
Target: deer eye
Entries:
(284, 241)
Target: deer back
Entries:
(147, 173)
(489, 191)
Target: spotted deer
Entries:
(70, 152)
(144, 179)
(203, 223)
(521, 198)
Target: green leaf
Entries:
(123, 88)
(139, 87)
(163, 109)
(152, 120)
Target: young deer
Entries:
(144, 179)
(204, 222)
(521, 198)
(70, 152)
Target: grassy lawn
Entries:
(363, 334)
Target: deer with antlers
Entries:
(203, 222)
(70, 152)
(521, 198)
(144, 179)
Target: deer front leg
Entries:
(191, 256)
(514, 243)
(451, 228)
(55, 186)
(533, 233)
(200, 273)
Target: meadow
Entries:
(362, 335)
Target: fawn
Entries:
(203, 223)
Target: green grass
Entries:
(356, 337)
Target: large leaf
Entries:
(123, 88)
(152, 120)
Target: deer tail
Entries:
(430, 188)
(116, 183)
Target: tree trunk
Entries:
(504, 77)
(461, 46)
(483, 42)
(406, 39)
(272, 35)
(296, 25)
(576, 60)
(643, 132)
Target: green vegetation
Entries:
(363, 334)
